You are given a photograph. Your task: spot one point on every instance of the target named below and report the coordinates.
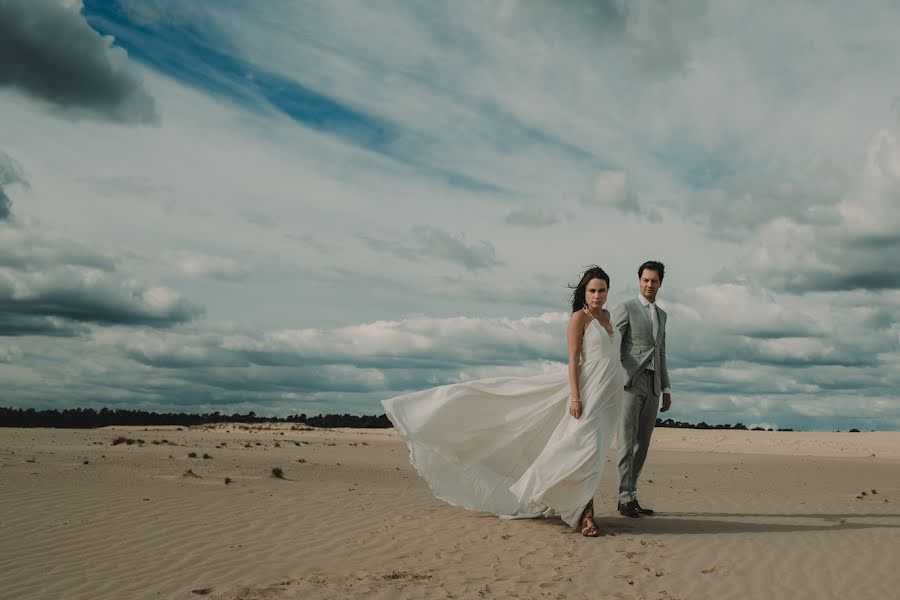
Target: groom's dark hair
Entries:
(653, 265)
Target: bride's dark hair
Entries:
(592, 272)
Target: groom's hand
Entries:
(667, 402)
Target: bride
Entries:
(525, 447)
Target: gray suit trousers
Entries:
(636, 424)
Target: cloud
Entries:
(27, 250)
(531, 216)
(198, 264)
(203, 365)
(48, 51)
(799, 256)
(741, 204)
(10, 172)
(723, 323)
(14, 325)
(654, 38)
(289, 371)
(5, 206)
(432, 242)
(307, 370)
(395, 355)
(91, 296)
(741, 309)
(423, 341)
(10, 354)
(613, 189)
(744, 353)
(44, 289)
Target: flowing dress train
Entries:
(508, 445)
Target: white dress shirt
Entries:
(650, 310)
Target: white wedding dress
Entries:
(508, 445)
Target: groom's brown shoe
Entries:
(641, 510)
(629, 509)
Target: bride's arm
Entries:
(574, 336)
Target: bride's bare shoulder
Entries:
(580, 320)
(579, 316)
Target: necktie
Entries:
(654, 320)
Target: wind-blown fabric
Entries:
(508, 445)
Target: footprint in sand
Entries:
(715, 569)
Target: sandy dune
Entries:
(742, 515)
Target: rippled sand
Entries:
(742, 515)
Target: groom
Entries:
(643, 328)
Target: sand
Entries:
(742, 515)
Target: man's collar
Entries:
(644, 301)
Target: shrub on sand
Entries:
(278, 472)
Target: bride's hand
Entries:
(575, 408)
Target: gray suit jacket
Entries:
(638, 345)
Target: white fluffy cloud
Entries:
(612, 189)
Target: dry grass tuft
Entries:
(124, 440)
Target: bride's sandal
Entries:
(588, 527)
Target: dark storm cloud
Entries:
(50, 286)
(95, 304)
(13, 325)
(50, 52)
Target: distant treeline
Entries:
(89, 418)
(702, 425)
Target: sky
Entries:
(308, 207)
